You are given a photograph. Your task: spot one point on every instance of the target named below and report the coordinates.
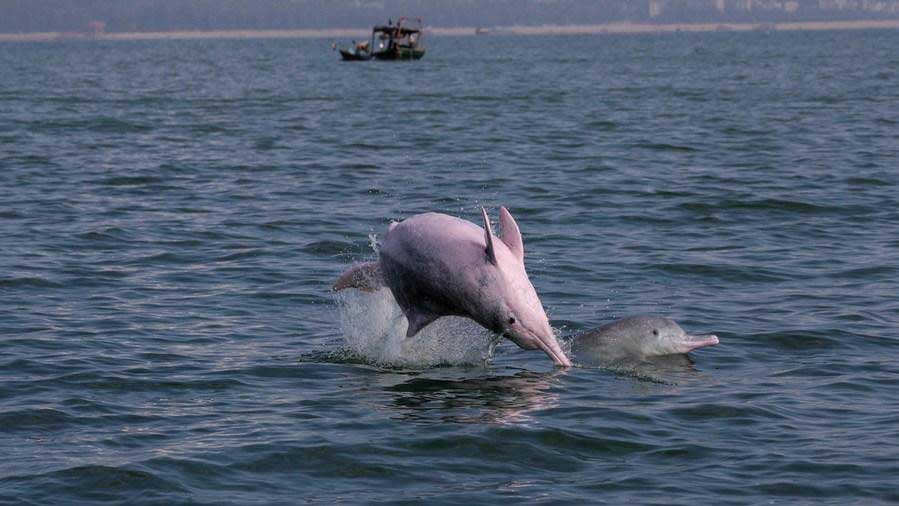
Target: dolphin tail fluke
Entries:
(365, 276)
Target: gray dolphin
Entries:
(636, 338)
(438, 265)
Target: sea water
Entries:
(173, 214)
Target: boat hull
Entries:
(400, 53)
(351, 56)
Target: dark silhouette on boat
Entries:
(389, 42)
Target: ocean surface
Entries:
(173, 213)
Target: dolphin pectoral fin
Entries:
(488, 236)
(418, 321)
(365, 276)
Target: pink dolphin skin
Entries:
(439, 265)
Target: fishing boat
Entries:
(359, 52)
(400, 41)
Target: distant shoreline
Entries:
(345, 33)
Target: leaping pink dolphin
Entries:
(438, 265)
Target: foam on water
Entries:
(374, 327)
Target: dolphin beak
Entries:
(695, 342)
(545, 340)
(550, 346)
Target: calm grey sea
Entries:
(172, 214)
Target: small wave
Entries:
(268, 144)
(849, 387)
(317, 98)
(798, 339)
(205, 128)
(360, 168)
(746, 414)
(819, 489)
(189, 468)
(683, 452)
(428, 95)
(104, 483)
(723, 272)
(104, 234)
(292, 297)
(432, 112)
(161, 357)
(117, 383)
(886, 272)
(740, 130)
(36, 419)
(356, 461)
(700, 95)
(648, 219)
(116, 125)
(602, 125)
(482, 98)
(867, 181)
(270, 371)
(828, 100)
(28, 281)
(241, 255)
(554, 447)
(327, 248)
(662, 146)
(32, 160)
(370, 146)
(161, 258)
(130, 181)
(770, 204)
(279, 224)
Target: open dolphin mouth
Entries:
(691, 343)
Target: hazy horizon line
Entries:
(548, 29)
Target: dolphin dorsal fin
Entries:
(511, 235)
(488, 235)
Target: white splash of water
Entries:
(374, 327)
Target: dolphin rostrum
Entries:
(636, 338)
(438, 265)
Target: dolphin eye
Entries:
(655, 332)
(511, 320)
